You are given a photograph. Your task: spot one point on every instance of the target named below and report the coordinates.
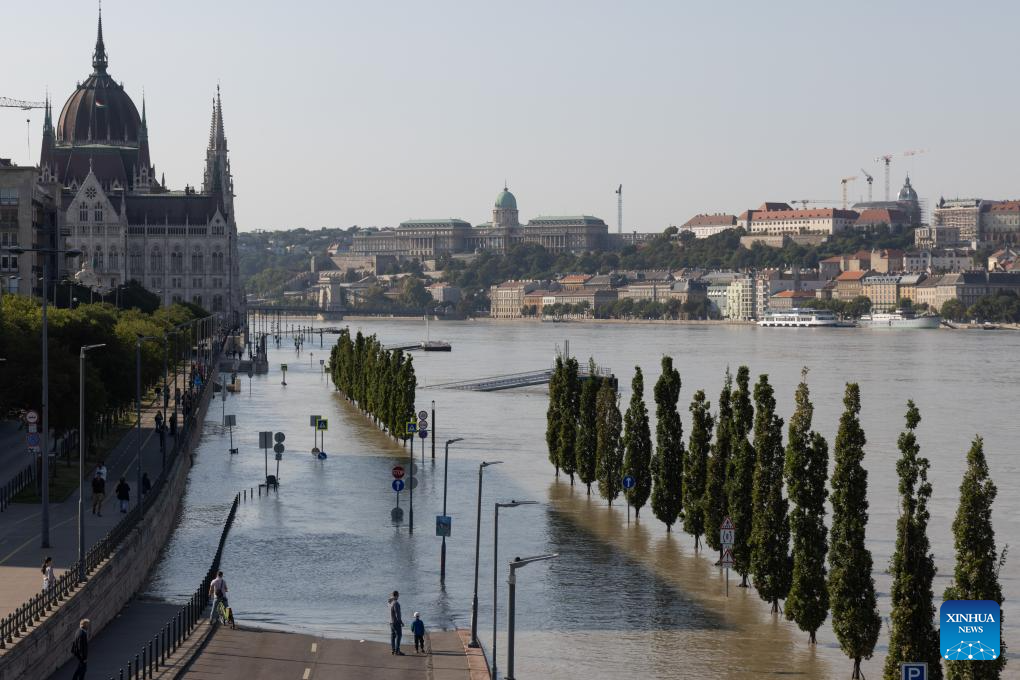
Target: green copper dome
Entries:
(506, 200)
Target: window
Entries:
(156, 261)
(217, 262)
(176, 261)
(135, 261)
(176, 299)
(197, 262)
(97, 259)
(90, 193)
(217, 303)
(196, 283)
(99, 212)
(84, 254)
(114, 260)
(197, 299)
(83, 212)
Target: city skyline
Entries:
(682, 106)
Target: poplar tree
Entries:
(770, 527)
(608, 447)
(976, 576)
(552, 416)
(806, 468)
(667, 494)
(585, 445)
(695, 467)
(913, 636)
(570, 400)
(637, 441)
(714, 504)
(740, 475)
(855, 617)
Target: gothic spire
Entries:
(99, 60)
(217, 138)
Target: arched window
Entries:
(217, 262)
(97, 259)
(176, 261)
(99, 212)
(84, 254)
(217, 303)
(197, 299)
(83, 212)
(197, 262)
(156, 261)
(114, 259)
(136, 262)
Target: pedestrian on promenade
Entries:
(48, 579)
(173, 424)
(98, 494)
(101, 470)
(217, 591)
(80, 649)
(418, 629)
(146, 484)
(396, 624)
(123, 494)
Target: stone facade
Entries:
(28, 217)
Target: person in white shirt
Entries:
(48, 579)
(101, 470)
(217, 591)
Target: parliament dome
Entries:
(506, 200)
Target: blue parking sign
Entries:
(914, 670)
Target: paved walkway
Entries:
(14, 456)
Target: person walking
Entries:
(80, 649)
(146, 484)
(101, 470)
(418, 629)
(123, 494)
(160, 431)
(217, 591)
(48, 579)
(396, 624)
(98, 494)
(173, 424)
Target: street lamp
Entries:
(45, 482)
(446, 473)
(512, 582)
(138, 407)
(81, 459)
(478, 534)
(495, 572)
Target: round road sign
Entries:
(278, 448)
(398, 472)
(322, 455)
(424, 434)
(423, 415)
(32, 417)
(279, 437)
(628, 482)
(414, 483)
(398, 485)
(397, 515)
(279, 456)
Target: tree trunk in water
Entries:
(811, 639)
(743, 581)
(857, 670)
(775, 606)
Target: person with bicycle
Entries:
(218, 593)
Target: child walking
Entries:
(418, 629)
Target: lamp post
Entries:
(446, 474)
(81, 459)
(495, 573)
(45, 473)
(512, 583)
(138, 411)
(478, 534)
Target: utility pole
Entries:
(619, 209)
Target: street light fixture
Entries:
(512, 583)
(478, 534)
(446, 474)
(495, 571)
(81, 459)
(45, 475)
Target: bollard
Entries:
(152, 659)
(136, 667)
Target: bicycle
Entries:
(224, 614)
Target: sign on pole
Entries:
(279, 437)
(323, 424)
(398, 472)
(32, 417)
(278, 448)
(398, 485)
(628, 482)
(727, 557)
(313, 420)
(412, 427)
(444, 525)
(423, 415)
(265, 440)
(424, 434)
(230, 420)
(914, 670)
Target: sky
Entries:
(340, 113)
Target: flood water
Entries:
(623, 599)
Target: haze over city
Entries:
(374, 113)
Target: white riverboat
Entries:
(899, 319)
(800, 318)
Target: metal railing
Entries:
(504, 382)
(14, 486)
(17, 623)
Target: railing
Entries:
(15, 485)
(526, 379)
(17, 623)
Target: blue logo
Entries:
(969, 630)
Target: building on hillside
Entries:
(932, 236)
(781, 240)
(882, 289)
(830, 267)
(785, 300)
(444, 292)
(745, 218)
(507, 298)
(703, 226)
(741, 299)
(907, 204)
(631, 238)
(827, 221)
(938, 260)
(126, 222)
(873, 217)
(849, 285)
(370, 264)
(886, 260)
(28, 218)
(1000, 224)
(1004, 260)
(962, 214)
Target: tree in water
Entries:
(667, 494)
(608, 447)
(913, 636)
(740, 474)
(552, 415)
(770, 526)
(696, 467)
(855, 617)
(715, 505)
(807, 461)
(637, 442)
(976, 576)
(570, 402)
(586, 442)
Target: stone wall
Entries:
(47, 646)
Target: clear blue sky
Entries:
(369, 113)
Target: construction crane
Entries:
(844, 182)
(887, 159)
(8, 103)
(870, 180)
(619, 209)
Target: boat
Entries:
(429, 345)
(900, 318)
(801, 318)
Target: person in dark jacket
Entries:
(98, 494)
(146, 484)
(418, 629)
(80, 649)
(173, 424)
(123, 494)
(396, 625)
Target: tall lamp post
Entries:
(512, 583)
(446, 474)
(495, 573)
(138, 408)
(478, 534)
(81, 459)
(45, 474)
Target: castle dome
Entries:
(907, 193)
(506, 200)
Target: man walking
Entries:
(396, 624)
(98, 493)
(217, 591)
(80, 649)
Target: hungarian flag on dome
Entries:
(100, 105)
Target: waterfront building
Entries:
(703, 226)
(573, 281)
(849, 285)
(741, 298)
(717, 294)
(506, 299)
(28, 217)
(785, 300)
(655, 291)
(444, 292)
(688, 290)
(907, 205)
(938, 260)
(882, 289)
(1000, 224)
(926, 292)
(973, 285)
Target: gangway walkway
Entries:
(512, 380)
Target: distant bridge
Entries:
(512, 380)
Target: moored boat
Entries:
(800, 318)
(900, 318)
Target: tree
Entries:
(912, 636)
(570, 401)
(637, 443)
(586, 443)
(695, 467)
(552, 415)
(855, 618)
(770, 527)
(414, 295)
(740, 475)
(806, 469)
(667, 494)
(714, 504)
(609, 449)
(976, 576)
(953, 310)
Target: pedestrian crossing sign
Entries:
(412, 427)
(322, 424)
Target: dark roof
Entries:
(175, 208)
(711, 221)
(109, 162)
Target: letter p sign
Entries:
(914, 671)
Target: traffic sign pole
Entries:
(410, 495)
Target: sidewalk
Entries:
(14, 455)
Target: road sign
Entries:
(424, 434)
(283, 367)
(727, 557)
(726, 537)
(397, 515)
(423, 415)
(444, 525)
(914, 670)
(628, 482)
(33, 439)
(313, 420)
(32, 417)
(412, 427)
(251, 373)
(278, 456)
(322, 455)
(230, 420)
(727, 523)
(278, 448)
(32, 427)
(265, 440)
(323, 424)
(322, 361)
(279, 437)
(398, 472)
(414, 483)
(398, 485)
